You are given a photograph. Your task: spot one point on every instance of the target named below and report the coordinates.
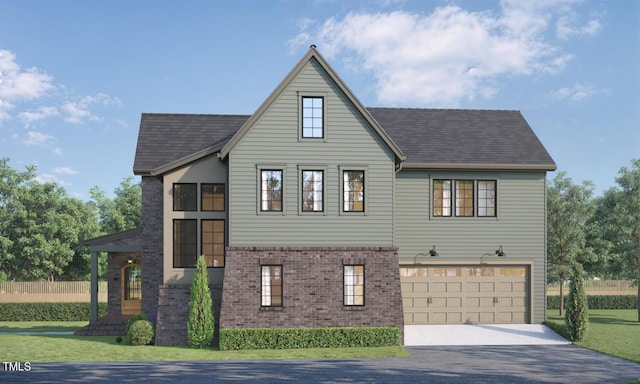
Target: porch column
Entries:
(94, 285)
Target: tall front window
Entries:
(213, 242)
(271, 285)
(353, 189)
(185, 243)
(185, 197)
(464, 198)
(312, 191)
(442, 198)
(353, 284)
(487, 198)
(271, 190)
(312, 117)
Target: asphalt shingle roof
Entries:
(426, 136)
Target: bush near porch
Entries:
(294, 338)
(49, 311)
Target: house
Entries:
(317, 211)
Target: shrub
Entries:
(599, 302)
(577, 316)
(293, 338)
(49, 311)
(141, 332)
(132, 320)
(200, 325)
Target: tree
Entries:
(569, 206)
(577, 316)
(620, 220)
(123, 211)
(200, 326)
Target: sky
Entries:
(75, 76)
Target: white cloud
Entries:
(57, 151)
(41, 113)
(37, 138)
(65, 171)
(448, 56)
(17, 84)
(49, 178)
(576, 92)
(568, 26)
(80, 111)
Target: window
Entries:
(185, 197)
(271, 190)
(464, 198)
(312, 117)
(133, 282)
(487, 198)
(271, 286)
(442, 198)
(212, 197)
(353, 189)
(353, 284)
(312, 191)
(185, 243)
(213, 242)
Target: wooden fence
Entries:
(599, 287)
(44, 291)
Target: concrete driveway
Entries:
(481, 334)
(444, 364)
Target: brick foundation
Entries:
(173, 313)
(312, 287)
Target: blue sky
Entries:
(76, 75)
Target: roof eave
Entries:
(481, 166)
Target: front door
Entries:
(131, 289)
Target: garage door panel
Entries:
(454, 287)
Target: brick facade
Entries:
(173, 313)
(312, 287)
(152, 250)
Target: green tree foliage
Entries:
(569, 207)
(123, 211)
(200, 326)
(577, 316)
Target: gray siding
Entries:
(519, 226)
(274, 140)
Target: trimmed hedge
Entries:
(293, 338)
(49, 311)
(599, 302)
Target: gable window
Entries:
(185, 197)
(213, 242)
(185, 243)
(312, 117)
(271, 190)
(353, 284)
(353, 191)
(271, 286)
(312, 191)
(464, 198)
(442, 198)
(487, 198)
(212, 197)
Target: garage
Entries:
(465, 294)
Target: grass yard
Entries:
(612, 331)
(69, 348)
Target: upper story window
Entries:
(271, 190)
(212, 197)
(312, 117)
(353, 190)
(442, 198)
(312, 191)
(464, 198)
(472, 198)
(185, 197)
(487, 198)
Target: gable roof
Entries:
(312, 54)
(462, 138)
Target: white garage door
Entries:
(465, 294)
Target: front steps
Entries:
(110, 325)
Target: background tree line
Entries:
(41, 226)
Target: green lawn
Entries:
(69, 348)
(612, 331)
